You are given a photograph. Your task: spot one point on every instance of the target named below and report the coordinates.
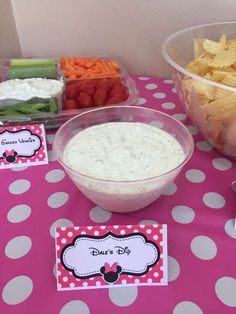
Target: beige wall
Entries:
(132, 30)
(9, 42)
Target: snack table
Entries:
(199, 210)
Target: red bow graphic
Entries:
(109, 268)
(9, 152)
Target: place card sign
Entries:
(22, 145)
(104, 256)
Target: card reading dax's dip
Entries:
(105, 256)
(22, 145)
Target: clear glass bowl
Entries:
(217, 127)
(116, 195)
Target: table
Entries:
(199, 209)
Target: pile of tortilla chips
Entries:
(215, 61)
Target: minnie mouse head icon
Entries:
(10, 155)
(111, 273)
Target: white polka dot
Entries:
(17, 290)
(229, 228)
(221, 164)
(124, 281)
(149, 231)
(57, 199)
(187, 307)
(168, 81)
(149, 280)
(204, 146)
(70, 234)
(19, 186)
(55, 175)
(99, 215)
(83, 232)
(75, 307)
(192, 129)
(156, 274)
(233, 185)
(141, 101)
(225, 289)
(137, 281)
(173, 269)
(174, 90)
(98, 283)
(50, 138)
(183, 214)
(65, 279)
(158, 124)
(122, 232)
(195, 175)
(171, 189)
(179, 116)
(116, 226)
(214, 200)
(144, 78)
(96, 233)
(59, 223)
(159, 95)
(72, 285)
(155, 237)
(151, 86)
(19, 168)
(51, 156)
(63, 241)
(203, 247)
(148, 222)
(19, 213)
(102, 227)
(54, 270)
(85, 284)
(168, 105)
(123, 296)
(18, 247)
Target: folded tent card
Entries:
(22, 145)
(105, 256)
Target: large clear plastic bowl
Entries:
(178, 51)
(115, 195)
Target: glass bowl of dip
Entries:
(206, 93)
(123, 157)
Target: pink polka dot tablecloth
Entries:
(199, 209)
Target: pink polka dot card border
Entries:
(110, 256)
(22, 145)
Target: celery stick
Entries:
(49, 72)
(31, 62)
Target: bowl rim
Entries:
(183, 70)
(179, 166)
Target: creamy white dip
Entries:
(25, 89)
(123, 151)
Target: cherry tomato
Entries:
(70, 104)
(103, 84)
(88, 89)
(71, 91)
(100, 97)
(84, 100)
(113, 100)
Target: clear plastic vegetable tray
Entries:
(54, 120)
